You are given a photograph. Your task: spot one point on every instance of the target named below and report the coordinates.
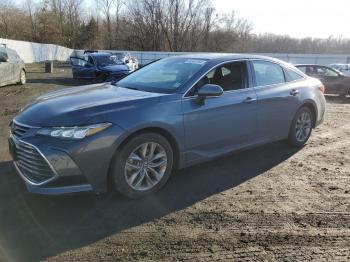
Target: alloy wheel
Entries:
(303, 126)
(145, 166)
(23, 77)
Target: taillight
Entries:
(322, 88)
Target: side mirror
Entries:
(208, 91)
(88, 65)
(127, 61)
(3, 60)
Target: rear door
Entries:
(5, 68)
(278, 100)
(16, 66)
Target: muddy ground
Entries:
(273, 203)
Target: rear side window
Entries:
(3, 54)
(302, 69)
(12, 56)
(291, 75)
(267, 73)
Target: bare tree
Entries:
(105, 7)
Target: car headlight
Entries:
(77, 132)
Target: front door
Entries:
(221, 124)
(82, 68)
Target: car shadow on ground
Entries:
(35, 227)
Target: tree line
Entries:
(147, 25)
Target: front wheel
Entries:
(142, 166)
(301, 127)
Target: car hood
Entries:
(114, 68)
(75, 106)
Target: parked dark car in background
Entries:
(344, 68)
(334, 81)
(126, 57)
(12, 68)
(173, 113)
(98, 66)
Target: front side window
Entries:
(163, 76)
(267, 73)
(230, 76)
(78, 61)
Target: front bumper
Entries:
(54, 166)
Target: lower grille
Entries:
(31, 164)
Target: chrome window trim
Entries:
(43, 156)
(184, 96)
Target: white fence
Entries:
(146, 57)
(35, 52)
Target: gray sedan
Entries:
(12, 69)
(174, 113)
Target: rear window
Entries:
(292, 75)
(268, 73)
(3, 54)
(302, 69)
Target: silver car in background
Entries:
(12, 68)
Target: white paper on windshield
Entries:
(195, 61)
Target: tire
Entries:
(301, 127)
(133, 173)
(22, 78)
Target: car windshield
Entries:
(107, 60)
(120, 55)
(163, 76)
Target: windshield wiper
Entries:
(132, 88)
(115, 83)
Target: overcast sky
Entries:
(298, 18)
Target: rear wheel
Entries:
(142, 166)
(22, 78)
(301, 127)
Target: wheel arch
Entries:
(152, 129)
(312, 106)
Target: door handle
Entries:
(249, 100)
(294, 92)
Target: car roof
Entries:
(99, 54)
(226, 57)
(309, 65)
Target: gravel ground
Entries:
(272, 203)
